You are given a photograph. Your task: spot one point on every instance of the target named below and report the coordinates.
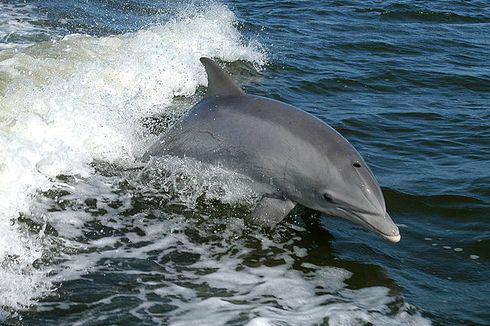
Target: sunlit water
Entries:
(91, 235)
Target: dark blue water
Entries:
(406, 82)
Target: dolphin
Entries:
(291, 156)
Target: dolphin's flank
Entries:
(292, 156)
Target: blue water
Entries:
(407, 83)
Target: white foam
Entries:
(190, 180)
(207, 279)
(66, 103)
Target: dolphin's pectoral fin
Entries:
(270, 211)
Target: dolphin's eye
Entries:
(357, 164)
(328, 198)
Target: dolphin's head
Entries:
(350, 190)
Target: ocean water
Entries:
(91, 235)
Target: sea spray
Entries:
(67, 102)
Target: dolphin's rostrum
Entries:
(292, 156)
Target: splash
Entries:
(70, 106)
(182, 269)
(68, 102)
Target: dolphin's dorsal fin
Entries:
(219, 83)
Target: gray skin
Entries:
(291, 156)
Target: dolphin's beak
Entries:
(380, 224)
(384, 226)
(390, 230)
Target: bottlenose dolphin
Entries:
(292, 156)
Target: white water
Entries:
(208, 281)
(67, 103)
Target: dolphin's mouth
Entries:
(382, 225)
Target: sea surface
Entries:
(91, 235)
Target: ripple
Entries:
(429, 16)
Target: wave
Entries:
(65, 103)
(193, 266)
(451, 206)
(20, 27)
(432, 16)
(430, 12)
